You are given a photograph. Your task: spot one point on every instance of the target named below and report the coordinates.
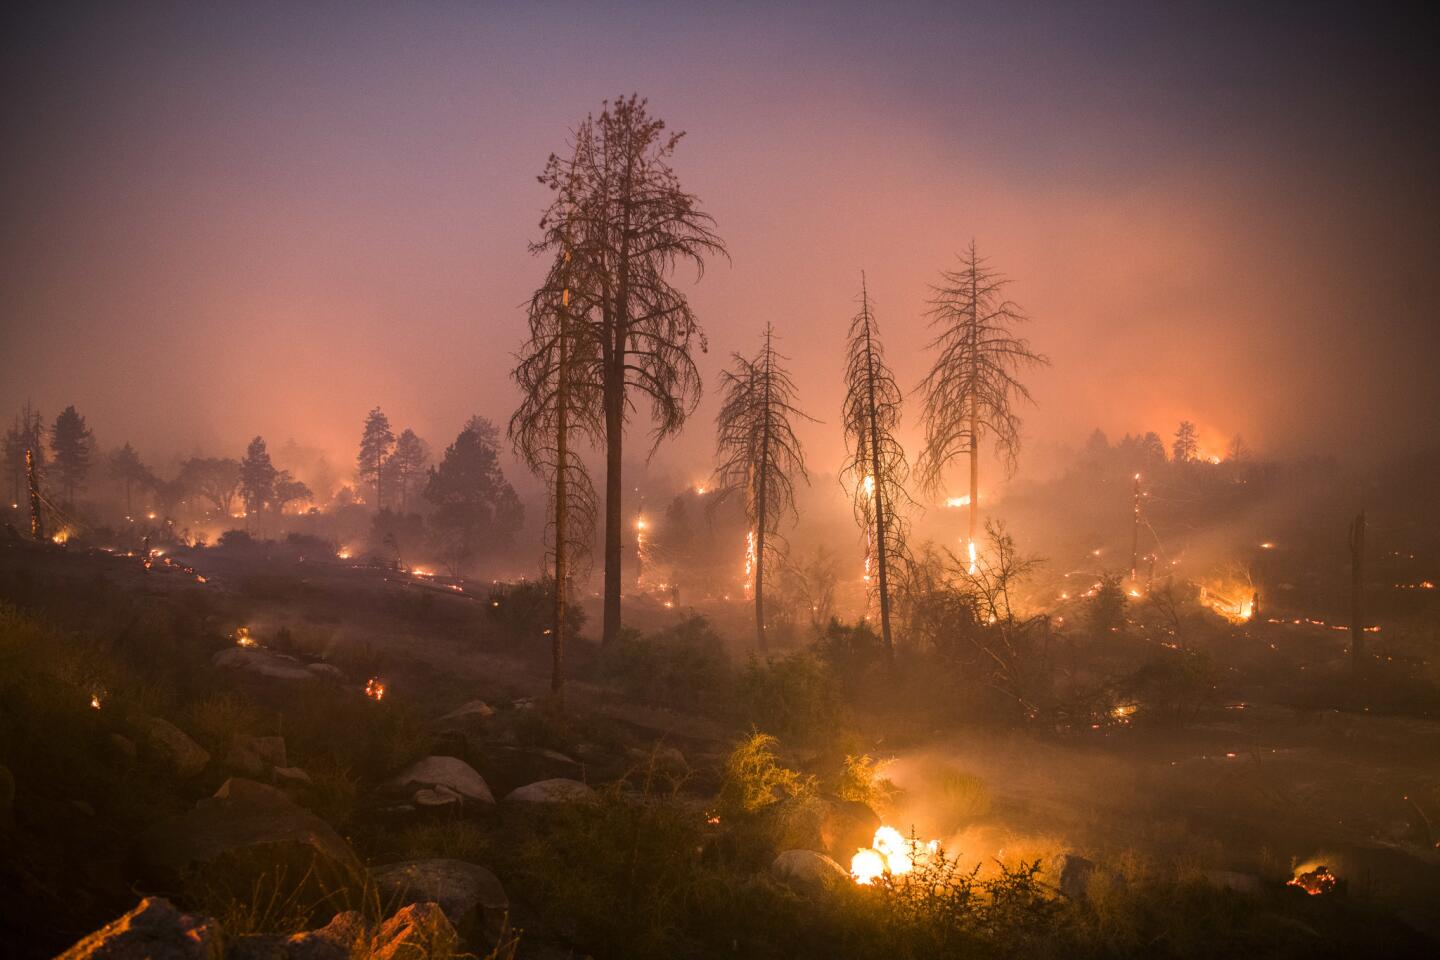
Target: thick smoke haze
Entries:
(224, 220)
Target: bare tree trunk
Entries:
(882, 570)
(1135, 532)
(974, 408)
(760, 507)
(1357, 590)
(37, 522)
(614, 423)
(557, 631)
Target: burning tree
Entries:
(559, 376)
(619, 210)
(27, 433)
(376, 444)
(875, 468)
(972, 389)
(759, 455)
(73, 446)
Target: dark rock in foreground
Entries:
(154, 930)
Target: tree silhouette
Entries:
(26, 433)
(476, 510)
(620, 211)
(376, 442)
(875, 470)
(213, 478)
(1187, 444)
(73, 447)
(406, 464)
(129, 472)
(558, 372)
(759, 455)
(973, 387)
(257, 480)
(288, 490)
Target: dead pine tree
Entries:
(973, 387)
(758, 455)
(633, 224)
(558, 375)
(875, 470)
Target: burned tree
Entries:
(875, 469)
(620, 211)
(559, 379)
(759, 455)
(973, 387)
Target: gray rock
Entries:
(326, 671)
(809, 871)
(470, 895)
(556, 790)
(255, 756)
(172, 747)
(154, 930)
(262, 663)
(291, 777)
(252, 836)
(449, 772)
(1074, 873)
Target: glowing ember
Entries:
(1233, 601)
(973, 558)
(958, 501)
(868, 485)
(344, 553)
(375, 689)
(1315, 882)
(749, 564)
(890, 852)
(243, 638)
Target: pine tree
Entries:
(973, 387)
(476, 509)
(73, 446)
(1187, 444)
(875, 469)
(407, 464)
(759, 455)
(257, 480)
(376, 443)
(126, 468)
(620, 212)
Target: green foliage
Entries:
(521, 616)
(796, 695)
(754, 778)
(683, 666)
(1173, 686)
(861, 782)
(954, 796)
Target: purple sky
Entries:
(229, 219)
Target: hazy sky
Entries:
(229, 219)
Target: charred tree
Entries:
(559, 378)
(621, 213)
(759, 457)
(32, 482)
(875, 469)
(973, 388)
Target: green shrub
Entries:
(683, 666)
(754, 778)
(796, 695)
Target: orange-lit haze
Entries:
(225, 220)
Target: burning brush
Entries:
(1316, 881)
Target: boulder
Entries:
(847, 826)
(255, 756)
(451, 773)
(262, 663)
(326, 671)
(154, 930)
(470, 895)
(337, 940)
(172, 747)
(508, 767)
(291, 778)
(252, 837)
(809, 871)
(417, 931)
(557, 790)
(467, 715)
(1074, 873)
(122, 748)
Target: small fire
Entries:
(958, 501)
(749, 564)
(375, 689)
(974, 565)
(868, 485)
(343, 554)
(243, 637)
(1315, 882)
(1223, 603)
(890, 852)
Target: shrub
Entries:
(796, 695)
(683, 665)
(754, 778)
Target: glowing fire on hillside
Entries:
(243, 637)
(1314, 881)
(375, 689)
(1233, 601)
(890, 852)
